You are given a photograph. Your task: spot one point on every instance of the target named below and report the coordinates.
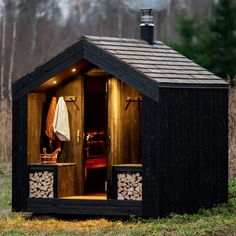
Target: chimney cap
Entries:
(146, 18)
(147, 26)
(146, 11)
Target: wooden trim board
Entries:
(84, 207)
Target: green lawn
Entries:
(220, 220)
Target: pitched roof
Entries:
(158, 62)
(141, 65)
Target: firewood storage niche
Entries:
(104, 119)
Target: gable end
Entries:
(85, 50)
(44, 72)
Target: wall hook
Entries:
(130, 100)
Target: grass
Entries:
(5, 189)
(220, 220)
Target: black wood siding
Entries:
(150, 157)
(194, 149)
(186, 153)
(19, 155)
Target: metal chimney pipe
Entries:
(147, 26)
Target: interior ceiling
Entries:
(82, 67)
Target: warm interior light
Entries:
(54, 82)
(73, 70)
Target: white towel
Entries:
(61, 121)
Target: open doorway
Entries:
(95, 130)
(105, 132)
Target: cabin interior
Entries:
(104, 119)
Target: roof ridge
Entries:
(108, 38)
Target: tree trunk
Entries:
(12, 59)
(3, 55)
(34, 32)
(119, 21)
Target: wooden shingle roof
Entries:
(141, 65)
(158, 62)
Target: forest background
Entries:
(32, 31)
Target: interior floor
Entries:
(95, 196)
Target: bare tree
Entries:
(119, 21)
(12, 58)
(31, 31)
(3, 40)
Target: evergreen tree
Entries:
(222, 41)
(212, 44)
(187, 34)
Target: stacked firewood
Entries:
(129, 186)
(41, 184)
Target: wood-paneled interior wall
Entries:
(123, 125)
(67, 181)
(73, 150)
(35, 114)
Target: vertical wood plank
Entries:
(35, 114)
(67, 181)
(113, 123)
(150, 138)
(193, 149)
(73, 150)
(123, 125)
(19, 155)
(125, 117)
(135, 129)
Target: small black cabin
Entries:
(148, 131)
